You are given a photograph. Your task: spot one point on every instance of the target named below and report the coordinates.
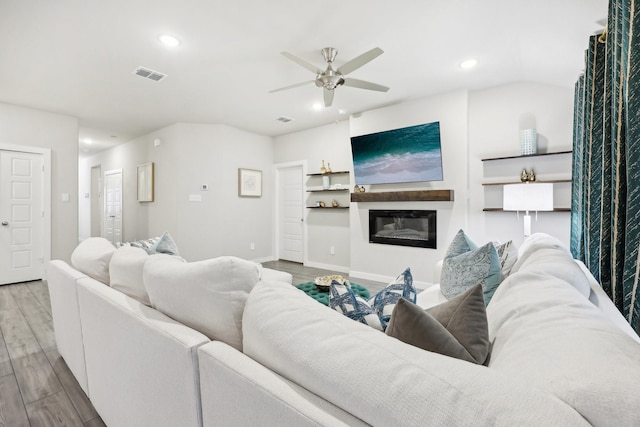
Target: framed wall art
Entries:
(249, 183)
(145, 182)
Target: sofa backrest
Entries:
(380, 379)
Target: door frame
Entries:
(277, 168)
(46, 196)
(104, 200)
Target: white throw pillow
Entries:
(208, 296)
(92, 257)
(125, 271)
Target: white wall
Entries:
(59, 133)
(474, 125)
(384, 262)
(496, 116)
(191, 155)
(330, 143)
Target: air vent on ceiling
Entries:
(148, 73)
(284, 119)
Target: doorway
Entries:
(25, 217)
(290, 227)
(97, 207)
(113, 206)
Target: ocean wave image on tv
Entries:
(410, 154)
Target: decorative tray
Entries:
(324, 282)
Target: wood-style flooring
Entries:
(36, 386)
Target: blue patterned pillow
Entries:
(462, 269)
(385, 301)
(376, 312)
(344, 300)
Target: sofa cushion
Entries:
(208, 295)
(379, 379)
(92, 257)
(345, 301)
(461, 271)
(125, 272)
(547, 333)
(457, 328)
(544, 253)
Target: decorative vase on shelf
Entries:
(532, 176)
(528, 142)
(328, 167)
(524, 176)
(334, 203)
(326, 182)
(322, 168)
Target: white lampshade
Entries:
(528, 197)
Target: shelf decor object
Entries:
(528, 197)
(528, 142)
(145, 182)
(249, 183)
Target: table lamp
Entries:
(528, 197)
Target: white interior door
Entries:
(96, 201)
(291, 208)
(113, 206)
(21, 216)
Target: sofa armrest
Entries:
(142, 366)
(237, 390)
(61, 280)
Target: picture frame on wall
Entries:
(145, 182)
(249, 182)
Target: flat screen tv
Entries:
(410, 154)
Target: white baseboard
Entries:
(386, 279)
(339, 268)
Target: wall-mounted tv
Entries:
(410, 154)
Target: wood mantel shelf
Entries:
(405, 196)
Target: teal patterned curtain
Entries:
(605, 209)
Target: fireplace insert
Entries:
(403, 227)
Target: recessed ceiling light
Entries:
(169, 41)
(88, 141)
(342, 111)
(468, 64)
(317, 106)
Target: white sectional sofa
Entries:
(561, 355)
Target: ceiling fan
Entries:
(329, 79)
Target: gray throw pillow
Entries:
(456, 328)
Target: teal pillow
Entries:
(165, 245)
(462, 269)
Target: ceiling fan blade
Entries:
(292, 86)
(309, 66)
(361, 84)
(328, 97)
(359, 61)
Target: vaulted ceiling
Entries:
(78, 57)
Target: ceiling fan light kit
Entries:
(330, 78)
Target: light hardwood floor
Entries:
(36, 386)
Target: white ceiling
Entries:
(77, 57)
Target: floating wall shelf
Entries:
(405, 196)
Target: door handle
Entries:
(5, 223)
